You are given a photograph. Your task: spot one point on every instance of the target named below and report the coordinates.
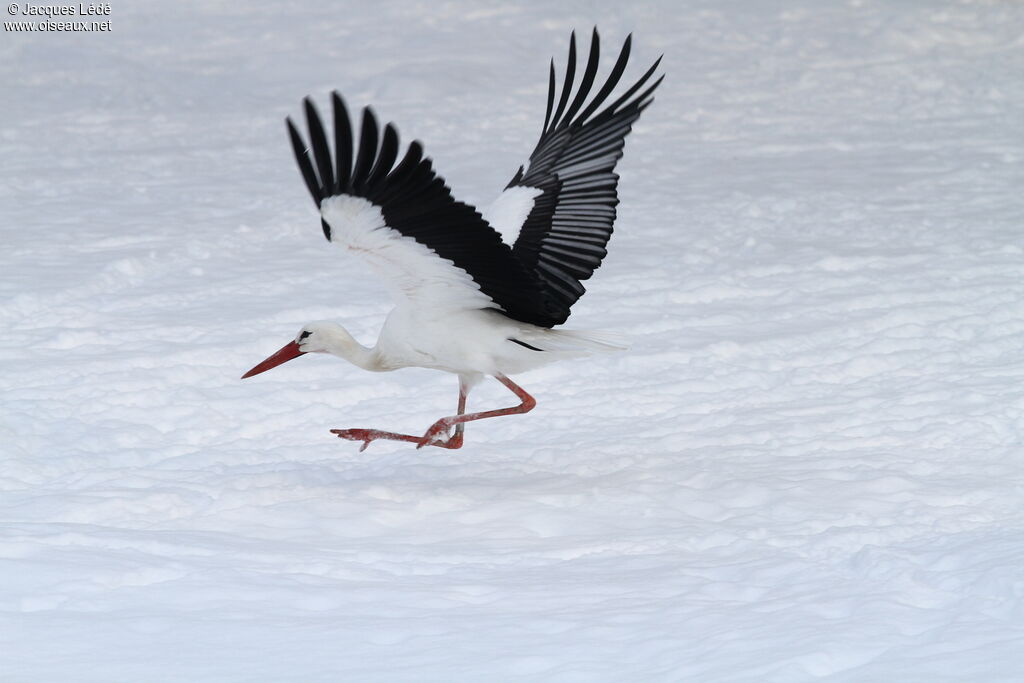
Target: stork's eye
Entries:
(304, 334)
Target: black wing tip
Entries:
(567, 84)
(415, 149)
(312, 113)
(324, 164)
(370, 174)
(647, 97)
(551, 124)
(391, 131)
(651, 71)
(518, 176)
(385, 161)
(369, 140)
(305, 165)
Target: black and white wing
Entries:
(565, 198)
(402, 219)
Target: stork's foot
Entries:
(453, 441)
(369, 435)
(440, 430)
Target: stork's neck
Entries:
(338, 341)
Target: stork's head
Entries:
(313, 338)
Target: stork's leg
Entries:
(368, 435)
(455, 440)
(445, 423)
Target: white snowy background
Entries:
(808, 466)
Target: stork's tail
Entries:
(577, 341)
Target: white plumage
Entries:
(412, 271)
(508, 212)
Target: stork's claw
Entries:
(364, 435)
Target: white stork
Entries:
(469, 302)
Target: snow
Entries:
(808, 466)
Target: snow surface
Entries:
(809, 465)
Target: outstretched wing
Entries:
(403, 220)
(568, 190)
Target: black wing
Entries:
(417, 205)
(564, 236)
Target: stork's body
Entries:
(464, 342)
(468, 302)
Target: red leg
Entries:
(445, 423)
(455, 440)
(368, 435)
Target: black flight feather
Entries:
(416, 203)
(564, 236)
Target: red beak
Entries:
(285, 353)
